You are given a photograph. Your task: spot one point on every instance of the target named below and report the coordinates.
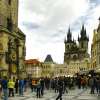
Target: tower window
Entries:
(9, 2)
(9, 24)
(82, 44)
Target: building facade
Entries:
(76, 55)
(79, 66)
(12, 40)
(95, 49)
(33, 68)
(47, 67)
(60, 70)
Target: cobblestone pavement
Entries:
(50, 95)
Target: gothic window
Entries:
(68, 46)
(82, 44)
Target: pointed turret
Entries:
(83, 39)
(83, 34)
(82, 30)
(69, 36)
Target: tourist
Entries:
(16, 86)
(38, 89)
(21, 86)
(11, 85)
(5, 88)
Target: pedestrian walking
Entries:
(21, 87)
(16, 86)
(60, 88)
(91, 84)
(60, 92)
(42, 86)
(5, 88)
(38, 92)
(11, 85)
(33, 85)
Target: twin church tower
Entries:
(74, 51)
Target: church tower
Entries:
(9, 14)
(83, 40)
(68, 44)
(12, 39)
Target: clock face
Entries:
(13, 56)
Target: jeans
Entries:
(20, 90)
(5, 91)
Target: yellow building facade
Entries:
(12, 40)
(78, 66)
(95, 49)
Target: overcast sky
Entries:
(46, 22)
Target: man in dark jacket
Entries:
(16, 86)
(42, 86)
(60, 89)
(38, 89)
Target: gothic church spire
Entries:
(69, 36)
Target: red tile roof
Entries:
(32, 61)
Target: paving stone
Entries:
(75, 94)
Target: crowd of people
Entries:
(10, 87)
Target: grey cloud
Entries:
(50, 38)
(30, 25)
(95, 2)
(56, 14)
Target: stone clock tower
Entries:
(12, 40)
(9, 13)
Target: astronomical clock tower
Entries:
(12, 40)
